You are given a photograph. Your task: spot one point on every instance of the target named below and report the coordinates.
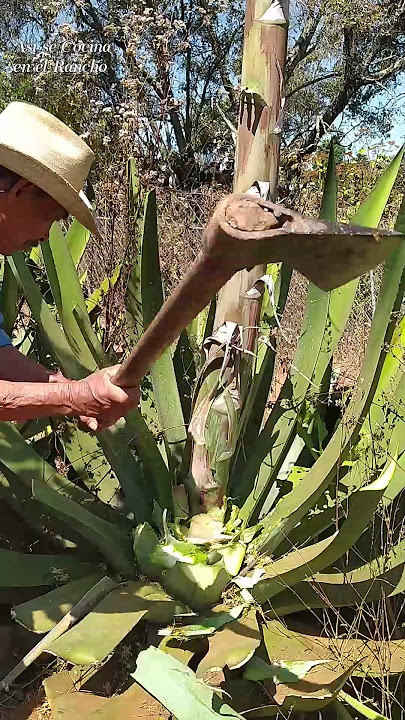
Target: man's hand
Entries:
(99, 400)
(30, 391)
(89, 423)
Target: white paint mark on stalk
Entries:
(277, 13)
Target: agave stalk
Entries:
(233, 343)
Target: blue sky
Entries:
(395, 103)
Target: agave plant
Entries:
(202, 572)
(204, 514)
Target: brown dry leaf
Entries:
(318, 688)
(374, 657)
(134, 704)
(65, 700)
(183, 650)
(232, 646)
(75, 705)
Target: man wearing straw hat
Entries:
(43, 167)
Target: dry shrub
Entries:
(181, 221)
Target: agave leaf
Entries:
(23, 570)
(154, 467)
(290, 569)
(42, 613)
(87, 458)
(64, 698)
(116, 444)
(389, 392)
(103, 289)
(95, 637)
(18, 496)
(200, 586)
(67, 293)
(30, 470)
(46, 322)
(302, 563)
(284, 671)
(183, 649)
(200, 328)
(75, 704)
(9, 293)
(162, 371)
(90, 338)
(381, 434)
(292, 508)
(115, 440)
(328, 210)
(360, 707)
(333, 590)
(232, 646)
(28, 467)
(145, 543)
(122, 706)
(88, 706)
(76, 239)
(160, 607)
(325, 317)
(233, 556)
(341, 712)
(281, 424)
(282, 644)
(249, 698)
(203, 626)
(184, 367)
(177, 687)
(319, 688)
(341, 299)
(256, 400)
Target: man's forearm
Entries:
(16, 367)
(24, 401)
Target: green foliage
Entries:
(294, 542)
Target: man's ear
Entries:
(22, 185)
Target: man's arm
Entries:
(16, 367)
(96, 397)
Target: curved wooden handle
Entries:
(205, 277)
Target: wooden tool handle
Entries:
(204, 278)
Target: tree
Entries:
(165, 89)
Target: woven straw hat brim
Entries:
(74, 201)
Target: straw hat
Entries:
(42, 149)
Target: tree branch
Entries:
(301, 47)
(312, 82)
(387, 73)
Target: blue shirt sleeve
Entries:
(4, 338)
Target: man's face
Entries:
(26, 215)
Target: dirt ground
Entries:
(36, 708)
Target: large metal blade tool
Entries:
(245, 231)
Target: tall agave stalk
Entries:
(234, 341)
